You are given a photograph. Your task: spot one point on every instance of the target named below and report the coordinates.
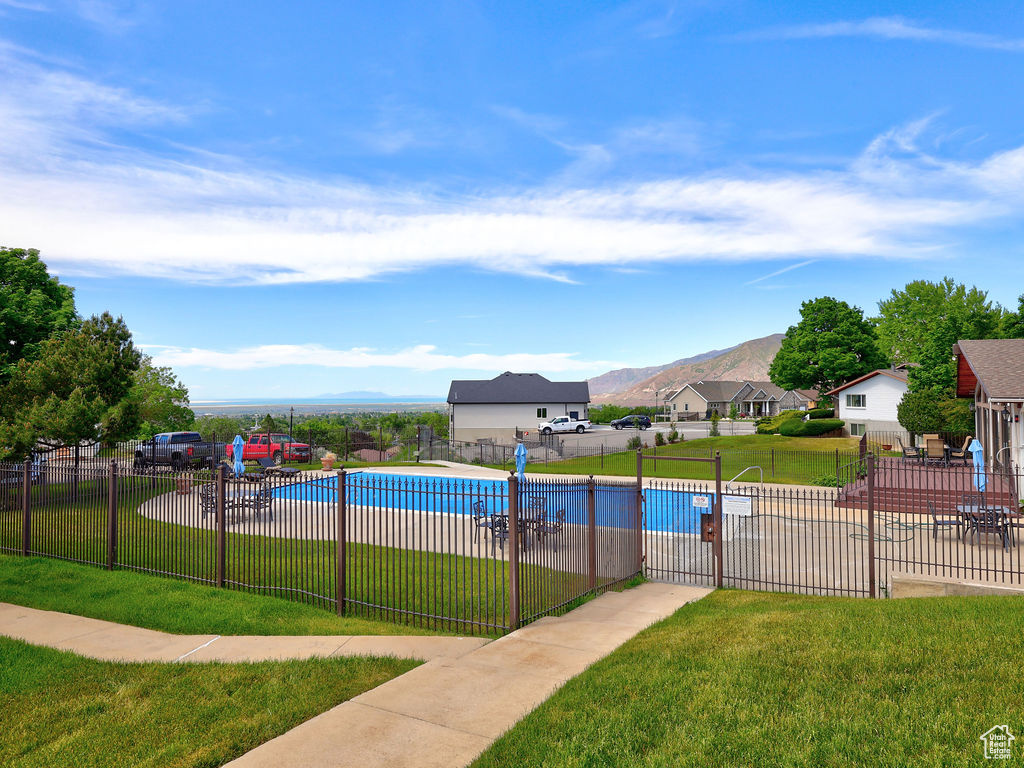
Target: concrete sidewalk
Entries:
(108, 641)
(449, 710)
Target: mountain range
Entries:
(641, 386)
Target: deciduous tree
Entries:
(831, 344)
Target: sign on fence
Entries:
(737, 505)
(701, 502)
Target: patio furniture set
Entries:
(248, 493)
(973, 516)
(936, 451)
(535, 522)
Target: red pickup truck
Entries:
(277, 447)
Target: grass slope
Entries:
(170, 605)
(61, 710)
(756, 679)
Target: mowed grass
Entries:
(170, 605)
(64, 711)
(761, 679)
(791, 460)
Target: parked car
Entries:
(633, 420)
(274, 446)
(564, 424)
(178, 450)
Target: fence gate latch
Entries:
(707, 526)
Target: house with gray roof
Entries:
(700, 399)
(493, 409)
(991, 372)
(869, 403)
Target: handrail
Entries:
(755, 466)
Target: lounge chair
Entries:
(909, 452)
(944, 521)
(268, 467)
(961, 454)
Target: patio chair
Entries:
(260, 503)
(480, 517)
(545, 526)
(935, 450)
(268, 467)
(961, 454)
(208, 499)
(499, 531)
(989, 520)
(947, 520)
(909, 452)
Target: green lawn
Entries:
(762, 679)
(796, 460)
(170, 605)
(64, 711)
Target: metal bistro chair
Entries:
(989, 520)
(545, 526)
(480, 517)
(909, 452)
(261, 503)
(944, 521)
(208, 499)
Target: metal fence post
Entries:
(222, 530)
(639, 509)
(513, 551)
(719, 558)
(591, 534)
(773, 461)
(26, 506)
(341, 544)
(112, 516)
(74, 476)
(872, 586)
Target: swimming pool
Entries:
(666, 511)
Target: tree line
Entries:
(916, 326)
(69, 380)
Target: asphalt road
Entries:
(617, 438)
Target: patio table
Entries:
(973, 515)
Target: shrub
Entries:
(634, 443)
(659, 439)
(771, 425)
(673, 435)
(829, 481)
(715, 418)
(798, 428)
(734, 412)
(821, 413)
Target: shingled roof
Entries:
(998, 365)
(518, 388)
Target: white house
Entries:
(868, 403)
(493, 409)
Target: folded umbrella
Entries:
(978, 454)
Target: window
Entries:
(856, 401)
(574, 415)
(542, 413)
(857, 430)
(686, 406)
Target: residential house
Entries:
(991, 372)
(493, 409)
(869, 402)
(751, 398)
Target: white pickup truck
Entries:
(563, 424)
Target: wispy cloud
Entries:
(778, 272)
(886, 28)
(23, 5)
(95, 207)
(419, 358)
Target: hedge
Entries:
(821, 413)
(813, 428)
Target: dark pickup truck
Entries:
(178, 450)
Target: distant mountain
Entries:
(624, 378)
(749, 360)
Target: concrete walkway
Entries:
(108, 641)
(449, 710)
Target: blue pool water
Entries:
(665, 510)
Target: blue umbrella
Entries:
(520, 460)
(979, 464)
(237, 449)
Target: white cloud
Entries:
(886, 28)
(420, 358)
(95, 207)
(23, 5)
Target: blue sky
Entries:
(286, 200)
